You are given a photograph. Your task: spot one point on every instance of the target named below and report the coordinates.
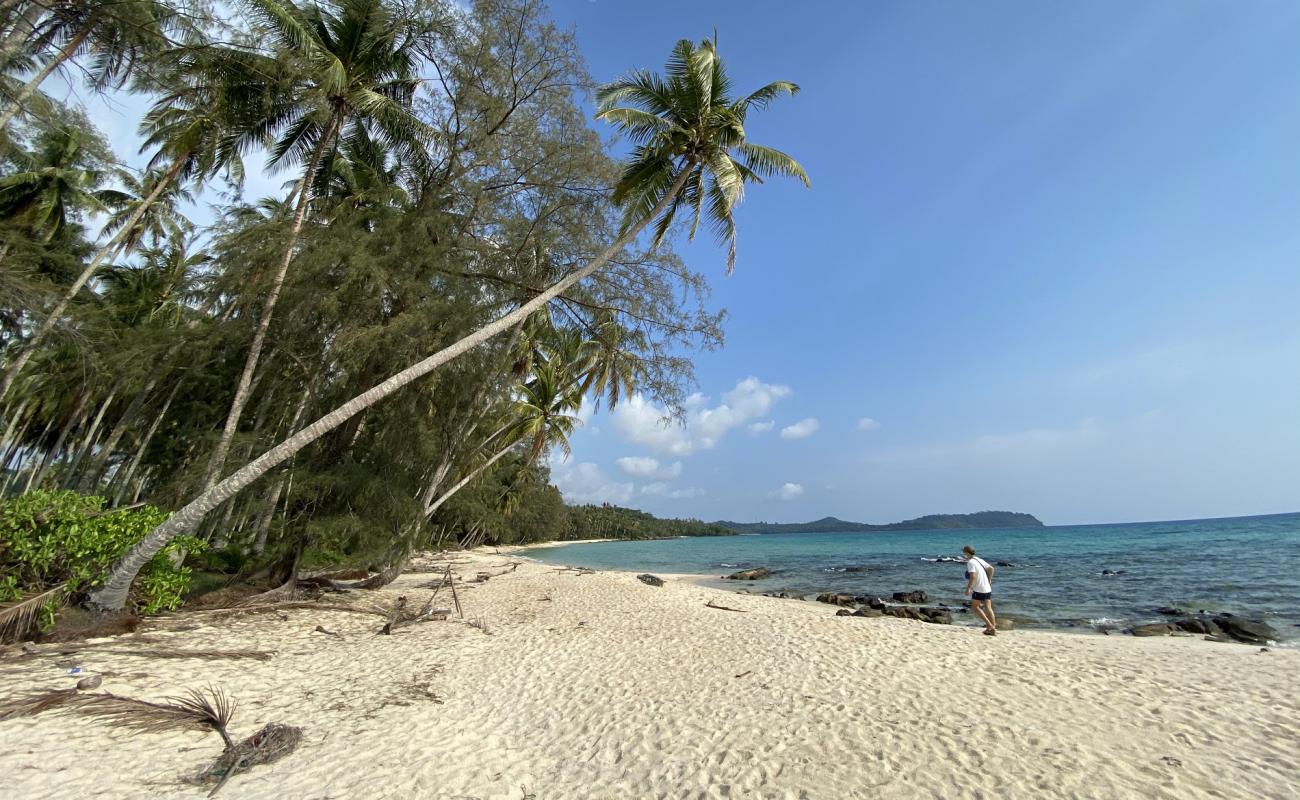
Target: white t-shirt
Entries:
(978, 566)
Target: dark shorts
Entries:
(981, 595)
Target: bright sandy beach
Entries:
(596, 685)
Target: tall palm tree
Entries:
(610, 367)
(58, 180)
(542, 417)
(690, 132)
(147, 209)
(115, 34)
(199, 127)
(356, 64)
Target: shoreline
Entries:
(567, 684)
(1022, 622)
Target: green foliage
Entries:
(431, 213)
(615, 522)
(48, 539)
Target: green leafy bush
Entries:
(61, 538)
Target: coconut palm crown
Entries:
(687, 120)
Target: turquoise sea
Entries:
(1079, 577)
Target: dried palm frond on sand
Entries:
(206, 655)
(209, 710)
(268, 745)
(195, 711)
(19, 617)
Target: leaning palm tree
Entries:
(610, 367)
(113, 34)
(147, 211)
(356, 64)
(542, 418)
(691, 134)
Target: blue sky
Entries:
(1051, 250)
(1050, 254)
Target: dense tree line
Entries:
(453, 239)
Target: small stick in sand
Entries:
(746, 672)
(712, 604)
(459, 611)
(321, 629)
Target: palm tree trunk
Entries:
(477, 471)
(112, 595)
(22, 27)
(101, 255)
(73, 420)
(90, 480)
(88, 443)
(54, 63)
(144, 445)
(9, 430)
(218, 459)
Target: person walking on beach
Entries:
(979, 585)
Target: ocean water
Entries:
(1249, 566)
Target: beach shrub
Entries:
(52, 539)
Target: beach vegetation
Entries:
(453, 238)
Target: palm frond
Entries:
(203, 655)
(762, 98)
(17, 618)
(30, 704)
(768, 161)
(192, 712)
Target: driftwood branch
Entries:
(712, 604)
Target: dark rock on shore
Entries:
(937, 616)
(650, 580)
(837, 599)
(1245, 630)
(786, 594)
(1154, 629)
(911, 597)
(1219, 628)
(749, 574)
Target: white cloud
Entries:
(686, 494)
(586, 483)
(644, 467)
(801, 429)
(789, 491)
(640, 421)
(1033, 442)
(762, 427)
(867, 424)
(661, 489)
(586, 410)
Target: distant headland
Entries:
(930, 522)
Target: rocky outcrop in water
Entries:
(749, 574)
(915, 596)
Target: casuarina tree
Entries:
(690, 153)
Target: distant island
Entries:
(930, 522)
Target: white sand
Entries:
(599, 686)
